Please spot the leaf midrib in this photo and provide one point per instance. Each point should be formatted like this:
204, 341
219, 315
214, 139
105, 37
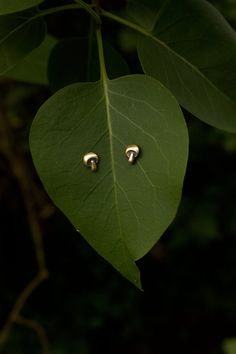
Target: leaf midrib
194, 68
107, 105
17, 28
10, 10
151, 35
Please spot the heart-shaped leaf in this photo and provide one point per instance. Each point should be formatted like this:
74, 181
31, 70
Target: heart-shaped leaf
33, 68
193, 53
20, 34
122, 209
11, 6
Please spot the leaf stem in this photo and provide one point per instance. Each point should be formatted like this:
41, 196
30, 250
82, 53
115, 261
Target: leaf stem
52, 10
133, 26
80, 5
125, 22
89, 9
103, 72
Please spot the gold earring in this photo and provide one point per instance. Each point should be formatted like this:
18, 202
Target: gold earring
91, 160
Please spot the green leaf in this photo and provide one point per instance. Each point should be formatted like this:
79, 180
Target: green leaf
122, 209
155, 5
193, 53
67, 65
229, 346
11, 6
141, 14
20, 34
33, 68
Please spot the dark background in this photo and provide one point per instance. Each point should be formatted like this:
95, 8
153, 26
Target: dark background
189, 278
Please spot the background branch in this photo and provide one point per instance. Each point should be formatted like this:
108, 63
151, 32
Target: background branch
20, 170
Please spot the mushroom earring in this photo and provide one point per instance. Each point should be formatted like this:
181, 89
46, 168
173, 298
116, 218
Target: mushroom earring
132, 152
91, 160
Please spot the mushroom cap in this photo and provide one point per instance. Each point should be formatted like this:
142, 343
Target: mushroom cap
133, 148
89, 157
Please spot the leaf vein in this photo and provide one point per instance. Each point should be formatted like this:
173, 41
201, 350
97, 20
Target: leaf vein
129, 203
142, 130
97, 184
139, 101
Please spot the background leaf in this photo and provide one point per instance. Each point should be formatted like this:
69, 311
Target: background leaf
11, 6
229, 346
122, 209
20, 34
197, 64
140, 13
33, 68
76, 60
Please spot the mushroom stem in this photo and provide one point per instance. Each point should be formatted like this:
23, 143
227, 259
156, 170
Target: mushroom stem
93, 165
131, 157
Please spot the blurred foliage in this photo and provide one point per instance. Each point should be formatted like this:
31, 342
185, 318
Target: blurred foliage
189, 299
229, 346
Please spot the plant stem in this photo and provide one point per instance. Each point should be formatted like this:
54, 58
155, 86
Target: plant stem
19, 169
89, 9
80, 5
125, 22
53, 10
135, 27
103, 72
